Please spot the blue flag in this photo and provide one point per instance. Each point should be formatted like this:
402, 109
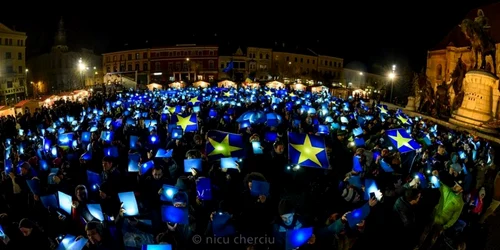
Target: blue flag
222, 144
383, 109
229, 67
188, 123
307, 150
402, 140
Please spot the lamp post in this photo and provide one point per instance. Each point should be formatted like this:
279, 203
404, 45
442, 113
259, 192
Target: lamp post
189, 69
392, 76
26, 71
81, 67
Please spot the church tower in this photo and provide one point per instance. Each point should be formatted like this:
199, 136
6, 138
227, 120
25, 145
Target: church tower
60, 38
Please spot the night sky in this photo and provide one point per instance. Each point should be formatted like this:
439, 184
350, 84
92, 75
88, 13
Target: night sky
376, 34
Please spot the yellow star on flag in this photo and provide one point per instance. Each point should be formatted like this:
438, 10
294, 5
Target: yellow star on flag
383, 110
223, 147
184, 121
171, 109
292, 94
269, 92
307, 151
228, 94
402, 119
194, 100
401, 141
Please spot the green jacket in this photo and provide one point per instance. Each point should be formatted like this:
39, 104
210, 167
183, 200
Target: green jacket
449, 208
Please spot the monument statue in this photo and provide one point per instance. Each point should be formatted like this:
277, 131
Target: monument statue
443, 99
426, 94
481, 42
479, 96
457, 81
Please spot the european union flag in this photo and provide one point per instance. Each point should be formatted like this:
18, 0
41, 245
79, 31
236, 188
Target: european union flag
307, 150
402, 140
195, 101
382, 108
404, 119
222, 144
188, 123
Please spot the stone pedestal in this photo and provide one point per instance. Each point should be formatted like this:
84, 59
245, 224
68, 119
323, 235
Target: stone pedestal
411, 103
480, 100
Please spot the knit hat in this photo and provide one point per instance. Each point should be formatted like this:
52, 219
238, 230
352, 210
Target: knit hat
286, 207
180, 197
26, 223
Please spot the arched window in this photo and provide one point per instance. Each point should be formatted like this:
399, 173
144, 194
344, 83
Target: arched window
489, 68
439, 72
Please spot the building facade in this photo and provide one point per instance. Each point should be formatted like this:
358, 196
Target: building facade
260, 63
13, 72
363, 80
184, 62
331, 68
234, 67
129, 63
443, 59
62, 69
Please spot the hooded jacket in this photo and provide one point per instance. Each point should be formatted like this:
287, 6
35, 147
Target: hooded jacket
449, 208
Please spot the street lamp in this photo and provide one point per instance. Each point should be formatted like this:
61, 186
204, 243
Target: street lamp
189, 69
82, 67
25, 85
392, 76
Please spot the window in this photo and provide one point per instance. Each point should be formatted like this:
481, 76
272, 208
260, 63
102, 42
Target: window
267, 56
129, 67
20, 69
114, 58
8, 55
19, 56
287, 58
136, 56
9, 84
108, 69
200, 77
145, 67
145, 55
129, 56
210, 78
211, 52
9, 69
137, 67
157, 66
439, 72
260, 56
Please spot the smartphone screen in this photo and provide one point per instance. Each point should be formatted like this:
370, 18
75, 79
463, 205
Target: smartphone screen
372, 195
257, 148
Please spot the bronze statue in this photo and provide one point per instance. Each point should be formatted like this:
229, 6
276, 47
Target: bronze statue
443, 99
427, 100
481, 42
457, 80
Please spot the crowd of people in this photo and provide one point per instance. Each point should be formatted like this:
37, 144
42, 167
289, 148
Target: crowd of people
371, 193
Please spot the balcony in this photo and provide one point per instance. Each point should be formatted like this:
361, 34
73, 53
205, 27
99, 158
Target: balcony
11, 91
